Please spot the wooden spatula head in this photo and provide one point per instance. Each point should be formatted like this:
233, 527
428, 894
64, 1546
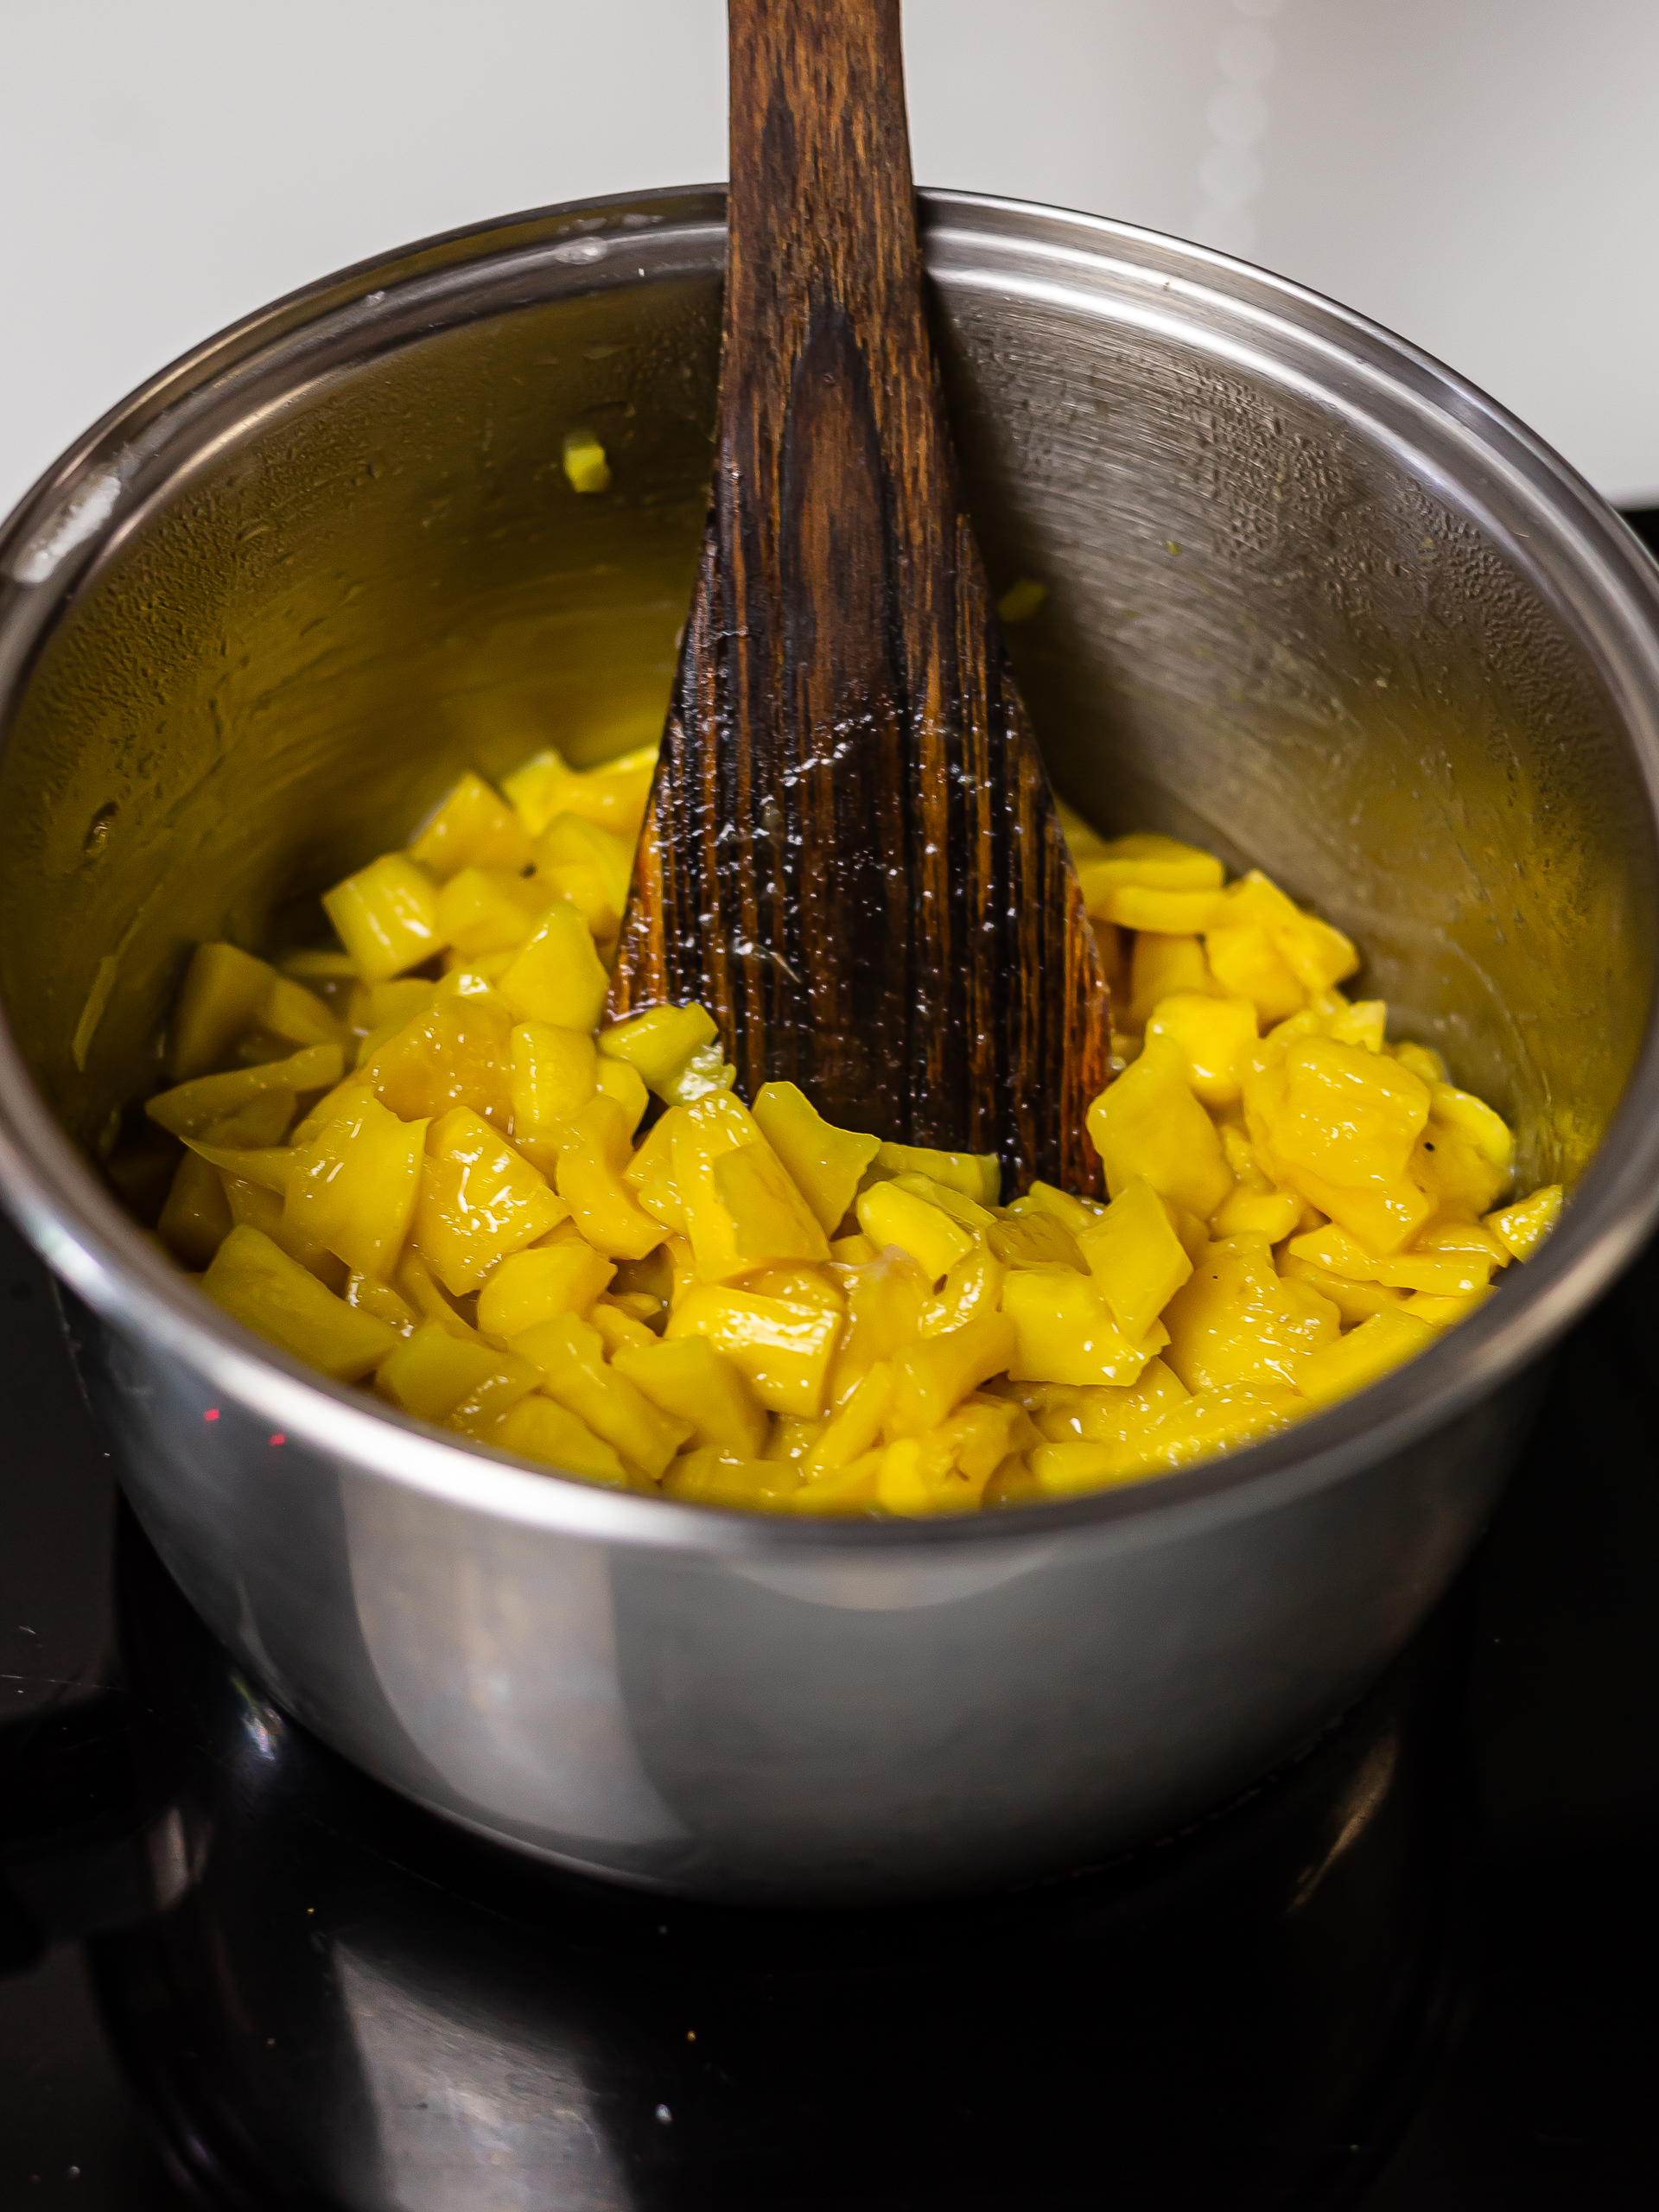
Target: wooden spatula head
851, 856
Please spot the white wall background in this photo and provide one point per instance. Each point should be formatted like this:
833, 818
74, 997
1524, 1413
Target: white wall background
1479, 174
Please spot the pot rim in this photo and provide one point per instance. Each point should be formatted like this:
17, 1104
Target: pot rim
1602, 578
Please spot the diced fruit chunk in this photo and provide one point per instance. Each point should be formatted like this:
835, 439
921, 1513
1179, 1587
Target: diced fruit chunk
1524, 1225
571, 1357
471, 828
387, 916
480, 1200
782, 1348
1064, 1330
1364, 1356
540, 1284
558, 977
1149, 1124
353, 1186
258, 1284
696, 1384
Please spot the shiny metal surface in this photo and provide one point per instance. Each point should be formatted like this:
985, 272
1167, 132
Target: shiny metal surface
1311, 598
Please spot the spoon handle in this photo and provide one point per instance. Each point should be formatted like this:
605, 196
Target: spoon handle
851, 856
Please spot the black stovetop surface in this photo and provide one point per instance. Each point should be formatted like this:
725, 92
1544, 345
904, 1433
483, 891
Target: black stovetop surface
1414, 1970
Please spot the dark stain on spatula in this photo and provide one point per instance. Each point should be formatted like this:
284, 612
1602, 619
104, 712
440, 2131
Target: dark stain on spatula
851, 856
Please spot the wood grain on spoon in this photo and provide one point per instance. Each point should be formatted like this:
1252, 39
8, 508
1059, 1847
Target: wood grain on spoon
851, 857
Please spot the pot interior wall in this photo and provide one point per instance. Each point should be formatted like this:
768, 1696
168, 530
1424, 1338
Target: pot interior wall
1259, 631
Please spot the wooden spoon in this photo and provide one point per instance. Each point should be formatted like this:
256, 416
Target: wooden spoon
851, 856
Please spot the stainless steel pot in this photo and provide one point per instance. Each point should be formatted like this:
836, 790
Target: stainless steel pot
1310, 599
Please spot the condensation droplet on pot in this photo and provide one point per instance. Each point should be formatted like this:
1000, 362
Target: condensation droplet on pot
97, 829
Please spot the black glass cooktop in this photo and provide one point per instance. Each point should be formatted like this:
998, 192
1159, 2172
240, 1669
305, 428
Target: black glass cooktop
1412, 1972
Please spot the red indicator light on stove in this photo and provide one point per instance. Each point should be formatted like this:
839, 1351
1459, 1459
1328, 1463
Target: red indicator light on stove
211, 1414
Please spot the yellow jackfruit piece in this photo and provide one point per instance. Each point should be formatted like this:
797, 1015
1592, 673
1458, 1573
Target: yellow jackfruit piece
270, 1166
1273, 1214
195, 1219
705, 1477
1364, 1356
416, 1283
434, 1373
590, 1172
825, 1162
783, 1349
1237, 1322
613, 795
889, 1214
1363, 1023
258, 1285
589, 866
1065, 1331
1215, 1036
659, 1042
471, 828
742, 1209
557, 976
931, 1378
617, 1080
539, 1428
1461, 1265
1316, 954
1160, 967
977, 1175
1135, 1258
856, 1427
1148, 861
1442, 1311
486, 910
1475, 1120
972, 1287
690, 1380
254, 1207
1031, 1236
586, 467
886, 1300
1149, 882
541, 1283
1524, 1225
370, 1295
650, 1173
191, 1108
1354, 1301
454, 1054
380, 1010
1245, 961
619, 1328
478, 1200
353, 1186
554, 1074
387, 916
1347, 1116
1101, 1414
571, 1357
220, 1000
1220, 1419
1423, 1060
1073, 1214
1148, 1123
